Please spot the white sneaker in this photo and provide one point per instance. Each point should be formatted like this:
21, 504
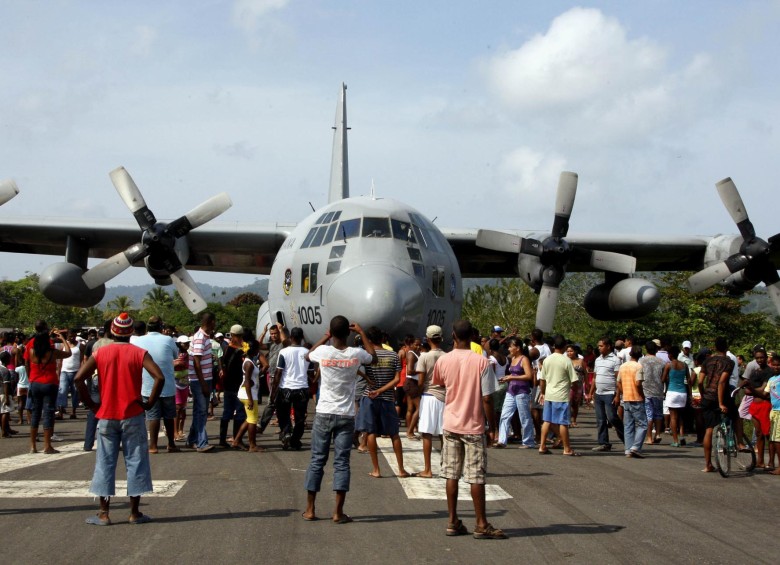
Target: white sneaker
55, 437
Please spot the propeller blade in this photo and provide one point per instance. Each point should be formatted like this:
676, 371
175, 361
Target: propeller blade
201, 214
8, 190
731, 199
774, 293
188, 291
613, 262
499, 241
545, 309
713, 274
132, 197
531, 247
111, 267
564, 202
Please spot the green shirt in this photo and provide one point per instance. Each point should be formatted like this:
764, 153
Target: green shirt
558, 372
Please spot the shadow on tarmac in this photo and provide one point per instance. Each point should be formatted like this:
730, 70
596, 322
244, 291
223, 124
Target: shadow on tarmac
554, 529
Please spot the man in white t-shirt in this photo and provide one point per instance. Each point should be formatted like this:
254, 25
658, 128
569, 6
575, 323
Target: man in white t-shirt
291, 390
335, 417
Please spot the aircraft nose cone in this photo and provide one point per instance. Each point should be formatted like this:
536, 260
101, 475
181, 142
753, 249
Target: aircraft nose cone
377, 295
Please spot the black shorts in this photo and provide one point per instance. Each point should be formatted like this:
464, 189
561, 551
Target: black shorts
400, 396
710, 409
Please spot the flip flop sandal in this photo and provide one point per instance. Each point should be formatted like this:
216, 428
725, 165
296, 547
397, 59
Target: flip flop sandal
142, 519
345, 519
489, 533
312, 519
458, 529
96, 520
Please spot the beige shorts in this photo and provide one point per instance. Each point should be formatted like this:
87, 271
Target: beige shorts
464, 456
774, 425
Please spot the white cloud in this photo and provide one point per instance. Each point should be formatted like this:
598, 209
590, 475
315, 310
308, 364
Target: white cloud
586, 76
525, 171
247, 14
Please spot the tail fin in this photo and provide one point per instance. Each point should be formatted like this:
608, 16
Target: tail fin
339, 167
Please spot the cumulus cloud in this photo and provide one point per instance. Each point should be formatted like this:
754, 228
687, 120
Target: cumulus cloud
247, 14
525, 171
589, 75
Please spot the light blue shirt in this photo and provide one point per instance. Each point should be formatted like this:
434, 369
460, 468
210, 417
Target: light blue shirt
162, 349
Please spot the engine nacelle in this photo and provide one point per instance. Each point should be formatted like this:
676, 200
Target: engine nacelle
625, 300
62, 284
161, 272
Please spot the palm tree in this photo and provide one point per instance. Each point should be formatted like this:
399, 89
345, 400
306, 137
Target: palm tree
157, 300
120, 304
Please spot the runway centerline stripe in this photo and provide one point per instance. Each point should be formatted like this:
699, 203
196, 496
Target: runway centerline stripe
30, 459
77, 489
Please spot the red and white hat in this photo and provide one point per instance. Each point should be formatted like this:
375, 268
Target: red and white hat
122, 325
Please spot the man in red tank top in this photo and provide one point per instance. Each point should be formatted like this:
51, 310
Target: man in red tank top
121, 418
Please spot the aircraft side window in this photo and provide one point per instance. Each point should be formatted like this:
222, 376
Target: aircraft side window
437, 280
376, 227
330, 234
337, 251
333, 267
419, 270
441, 281
432, 242
403, 231
313, 277
305, 278
414, 254
309, 237
317, 241
348, 229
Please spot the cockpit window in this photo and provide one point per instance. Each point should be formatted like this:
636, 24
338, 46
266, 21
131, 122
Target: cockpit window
336, 215
309, 237
403, 231
348, 229
317, 241
376, 227
329, 235
328, 217
321, 219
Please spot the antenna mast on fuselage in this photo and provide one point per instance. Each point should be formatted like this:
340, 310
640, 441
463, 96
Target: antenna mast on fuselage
339, 167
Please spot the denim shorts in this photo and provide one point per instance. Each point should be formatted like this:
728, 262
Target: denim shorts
654, 407
377, 416
556, 412
164, 408
131, 434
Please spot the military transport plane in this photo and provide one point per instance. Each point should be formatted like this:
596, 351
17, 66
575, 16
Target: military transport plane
379, 261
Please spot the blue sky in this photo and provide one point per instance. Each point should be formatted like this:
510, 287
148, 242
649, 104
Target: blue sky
468, 111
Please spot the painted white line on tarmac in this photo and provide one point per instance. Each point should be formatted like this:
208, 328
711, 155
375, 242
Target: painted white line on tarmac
76, 489
29, 459
429, 489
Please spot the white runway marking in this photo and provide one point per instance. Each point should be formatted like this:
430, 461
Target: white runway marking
76, 489
64, 489
429, 489
29, 459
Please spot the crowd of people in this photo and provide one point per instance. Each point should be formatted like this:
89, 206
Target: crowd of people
490, 391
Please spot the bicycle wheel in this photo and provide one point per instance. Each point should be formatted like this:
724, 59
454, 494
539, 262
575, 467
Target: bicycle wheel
720, 451
746, 459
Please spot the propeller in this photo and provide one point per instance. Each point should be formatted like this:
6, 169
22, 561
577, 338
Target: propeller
158, 240
8, 190
555, 253
754, 255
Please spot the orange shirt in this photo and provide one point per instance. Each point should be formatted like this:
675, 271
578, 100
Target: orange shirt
629, 375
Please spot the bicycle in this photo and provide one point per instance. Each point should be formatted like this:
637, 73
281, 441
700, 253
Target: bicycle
725, 448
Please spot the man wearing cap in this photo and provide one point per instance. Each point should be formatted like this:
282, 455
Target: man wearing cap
291, 389
431, 400
121, 414
686, 356
201, 365
163, 350
233, 377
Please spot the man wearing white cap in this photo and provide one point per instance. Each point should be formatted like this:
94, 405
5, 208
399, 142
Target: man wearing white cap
686, 356
432, 399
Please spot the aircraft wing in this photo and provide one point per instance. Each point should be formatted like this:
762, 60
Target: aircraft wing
235, 247
652, 252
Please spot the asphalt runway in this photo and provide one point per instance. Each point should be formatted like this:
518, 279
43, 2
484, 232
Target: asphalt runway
230, 506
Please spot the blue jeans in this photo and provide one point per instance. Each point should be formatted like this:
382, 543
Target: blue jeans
67, 385
340, 430
89, 432
200, 411
131, 433
43, 398
634, 425
606, 412
522, 403
232, 407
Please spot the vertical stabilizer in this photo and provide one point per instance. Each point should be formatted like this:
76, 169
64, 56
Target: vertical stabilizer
339, 167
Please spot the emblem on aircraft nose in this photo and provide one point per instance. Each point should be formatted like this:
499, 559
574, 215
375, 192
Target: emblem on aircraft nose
287, 281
